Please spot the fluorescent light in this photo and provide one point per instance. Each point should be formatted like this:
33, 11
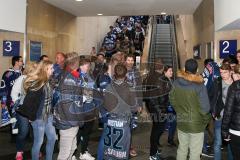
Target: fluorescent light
99, 14
163, 13
79, 0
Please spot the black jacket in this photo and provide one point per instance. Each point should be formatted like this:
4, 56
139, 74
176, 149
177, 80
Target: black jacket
231, 117
215, 97
31, 104
157, 88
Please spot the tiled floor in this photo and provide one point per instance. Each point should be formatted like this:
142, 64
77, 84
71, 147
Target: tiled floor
140, 142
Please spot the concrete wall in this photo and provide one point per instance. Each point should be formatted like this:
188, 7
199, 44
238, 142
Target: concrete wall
196, 29
225, 35
91, 31
55, 28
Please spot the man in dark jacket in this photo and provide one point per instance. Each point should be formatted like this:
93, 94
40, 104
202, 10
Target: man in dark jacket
156, 103
217, 96
231, 119
190, 101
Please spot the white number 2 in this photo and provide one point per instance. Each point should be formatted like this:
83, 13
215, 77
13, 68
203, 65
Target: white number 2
226, 47
9, 46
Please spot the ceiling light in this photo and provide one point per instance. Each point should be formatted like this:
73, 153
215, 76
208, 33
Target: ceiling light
99, 14
163, 13
79, 0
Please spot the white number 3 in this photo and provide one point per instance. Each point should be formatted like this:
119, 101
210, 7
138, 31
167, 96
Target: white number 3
8, 46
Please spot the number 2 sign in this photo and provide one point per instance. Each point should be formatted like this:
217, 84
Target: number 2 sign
11, 48
227, 47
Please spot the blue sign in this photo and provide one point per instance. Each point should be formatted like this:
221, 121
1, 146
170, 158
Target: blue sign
227, 47
11, 48
35, 50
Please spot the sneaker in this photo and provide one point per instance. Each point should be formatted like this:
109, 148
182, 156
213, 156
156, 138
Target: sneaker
19, 156
86, 156
133, 152
155, 157
207, 154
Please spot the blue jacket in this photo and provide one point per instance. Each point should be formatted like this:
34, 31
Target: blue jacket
9, 78
71, 108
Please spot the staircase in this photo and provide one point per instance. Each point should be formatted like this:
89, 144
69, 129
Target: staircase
163, 44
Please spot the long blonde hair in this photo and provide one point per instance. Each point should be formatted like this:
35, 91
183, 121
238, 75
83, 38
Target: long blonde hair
36, 79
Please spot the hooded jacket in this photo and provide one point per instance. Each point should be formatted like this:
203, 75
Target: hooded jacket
190, 100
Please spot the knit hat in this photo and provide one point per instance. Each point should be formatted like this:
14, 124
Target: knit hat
191, 66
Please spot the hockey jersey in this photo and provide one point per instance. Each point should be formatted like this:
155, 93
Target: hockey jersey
9, 78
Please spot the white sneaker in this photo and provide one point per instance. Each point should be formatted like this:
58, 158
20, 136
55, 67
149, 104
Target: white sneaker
74, 158
86, 156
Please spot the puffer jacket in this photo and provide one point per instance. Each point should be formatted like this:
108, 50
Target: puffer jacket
190, 100
231, 117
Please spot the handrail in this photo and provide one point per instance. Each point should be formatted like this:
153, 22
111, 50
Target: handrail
174, 51
176, 43
153, 37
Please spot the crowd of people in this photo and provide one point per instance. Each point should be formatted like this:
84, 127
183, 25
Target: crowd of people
126, 35
62, 100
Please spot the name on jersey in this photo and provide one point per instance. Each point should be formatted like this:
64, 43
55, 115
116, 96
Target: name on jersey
115, 123
118, 154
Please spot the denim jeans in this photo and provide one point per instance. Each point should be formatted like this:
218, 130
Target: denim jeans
23, 129
217, 140
172, 128
100, 147
40, 128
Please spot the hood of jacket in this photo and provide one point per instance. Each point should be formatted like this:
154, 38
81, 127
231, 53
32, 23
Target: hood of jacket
195, 78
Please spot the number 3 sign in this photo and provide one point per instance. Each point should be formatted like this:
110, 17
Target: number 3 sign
227, 47
11, 48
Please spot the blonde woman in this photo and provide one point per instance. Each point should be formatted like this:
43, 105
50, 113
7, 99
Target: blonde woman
18, 95
37, 107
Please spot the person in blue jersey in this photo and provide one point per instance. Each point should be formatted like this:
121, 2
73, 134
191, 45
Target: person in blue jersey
67, 116
58, 69
103, 80
11, 75
8, 79
135, 82
88, 85
120, 102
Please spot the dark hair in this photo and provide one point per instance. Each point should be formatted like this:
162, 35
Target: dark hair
226, 67
120, 71
166, 68
104, 68
238, 51
206, 61
84, 61
230, 60
42, 57
130, 56
15, 59
191, 66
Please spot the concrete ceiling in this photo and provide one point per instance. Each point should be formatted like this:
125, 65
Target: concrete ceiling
126, 7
